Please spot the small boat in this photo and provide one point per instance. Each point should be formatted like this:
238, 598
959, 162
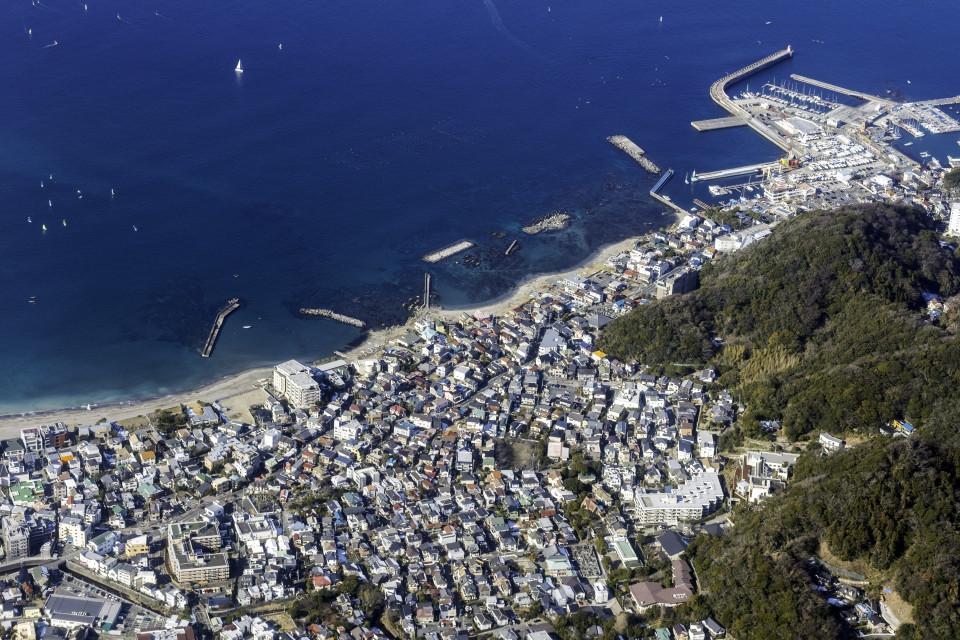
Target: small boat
28, 219
134, 227
686, 179
111, 193
661, 18
49, 203
247, 326
41, 184
44, 227
907, 144
64, 222
239, 68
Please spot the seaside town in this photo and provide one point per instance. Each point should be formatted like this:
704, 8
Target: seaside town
488, 474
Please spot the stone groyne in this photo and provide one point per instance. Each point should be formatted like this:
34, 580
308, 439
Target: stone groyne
333, 315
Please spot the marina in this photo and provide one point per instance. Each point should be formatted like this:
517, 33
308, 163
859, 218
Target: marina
232, 305
446, 252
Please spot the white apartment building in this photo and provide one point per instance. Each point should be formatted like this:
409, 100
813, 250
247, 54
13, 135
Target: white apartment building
292, 379
695, 498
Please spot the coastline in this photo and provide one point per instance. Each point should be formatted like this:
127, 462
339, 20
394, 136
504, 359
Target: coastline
11, 424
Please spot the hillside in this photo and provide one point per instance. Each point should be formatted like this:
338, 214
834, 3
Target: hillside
821, 323
822, 326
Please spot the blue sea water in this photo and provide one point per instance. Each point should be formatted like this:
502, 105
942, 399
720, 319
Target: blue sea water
378, 132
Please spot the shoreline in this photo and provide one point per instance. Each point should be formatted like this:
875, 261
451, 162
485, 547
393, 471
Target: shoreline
10, 424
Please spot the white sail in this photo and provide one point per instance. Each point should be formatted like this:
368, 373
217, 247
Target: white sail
239, 68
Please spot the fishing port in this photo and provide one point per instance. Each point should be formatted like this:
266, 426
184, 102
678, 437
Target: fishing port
333, 315
627, 145
231, 306
449, 250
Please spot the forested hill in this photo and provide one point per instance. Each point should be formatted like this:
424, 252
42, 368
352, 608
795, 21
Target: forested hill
823, 326
821, 323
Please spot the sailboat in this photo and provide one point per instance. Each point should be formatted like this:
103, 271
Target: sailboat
44, 227
686, 178
239, 68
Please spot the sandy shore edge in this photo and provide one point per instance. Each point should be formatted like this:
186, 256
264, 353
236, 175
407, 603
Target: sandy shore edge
11, 424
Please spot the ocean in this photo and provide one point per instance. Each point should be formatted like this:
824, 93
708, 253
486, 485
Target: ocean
359, 137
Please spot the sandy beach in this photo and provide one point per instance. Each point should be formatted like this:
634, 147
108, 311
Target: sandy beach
10, 425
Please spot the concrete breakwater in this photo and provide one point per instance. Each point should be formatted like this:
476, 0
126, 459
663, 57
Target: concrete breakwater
231, 306
627, 145
553, 221
333, 315
446, 252
511, 248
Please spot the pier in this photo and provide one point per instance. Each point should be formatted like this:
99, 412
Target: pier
737, 171
718, 123
446, 252
511, 248
847, 92
232, 306
655, 192
333, 315
627, 145
718, 91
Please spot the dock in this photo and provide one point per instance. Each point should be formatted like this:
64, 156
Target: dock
333, 315
847, 92
511, 248
737, 171
446, 252
231, 306
718, 91
700, 203
627, 145
718, 123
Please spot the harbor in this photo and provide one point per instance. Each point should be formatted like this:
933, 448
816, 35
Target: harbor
448, 251
333, 315
232, 305
627, 145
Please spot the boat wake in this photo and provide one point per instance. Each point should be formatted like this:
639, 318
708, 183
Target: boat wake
502, 28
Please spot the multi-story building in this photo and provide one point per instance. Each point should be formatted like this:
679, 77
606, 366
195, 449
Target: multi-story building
695, 498
292, 379
16, 539
55, 436
31, 439
192, 550
74, 531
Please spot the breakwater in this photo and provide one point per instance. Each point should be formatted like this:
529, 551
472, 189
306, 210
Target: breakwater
333, 315
553, 221
449, 250
511, 248
627, 145
232, 306
718, 91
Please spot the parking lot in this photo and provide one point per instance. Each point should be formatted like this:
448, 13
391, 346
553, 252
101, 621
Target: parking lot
132, 619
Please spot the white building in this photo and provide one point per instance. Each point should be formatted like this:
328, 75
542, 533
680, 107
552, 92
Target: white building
74, 531
953, 229
700, 495
831, 443
344, 430
292, 379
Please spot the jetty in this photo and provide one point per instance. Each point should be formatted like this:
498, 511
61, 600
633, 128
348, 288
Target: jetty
230, 307
887, 102
511, 248
553, 221
655, 192
333, 315
736, 171
718, 91
446, 252
627, 145
718, 123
